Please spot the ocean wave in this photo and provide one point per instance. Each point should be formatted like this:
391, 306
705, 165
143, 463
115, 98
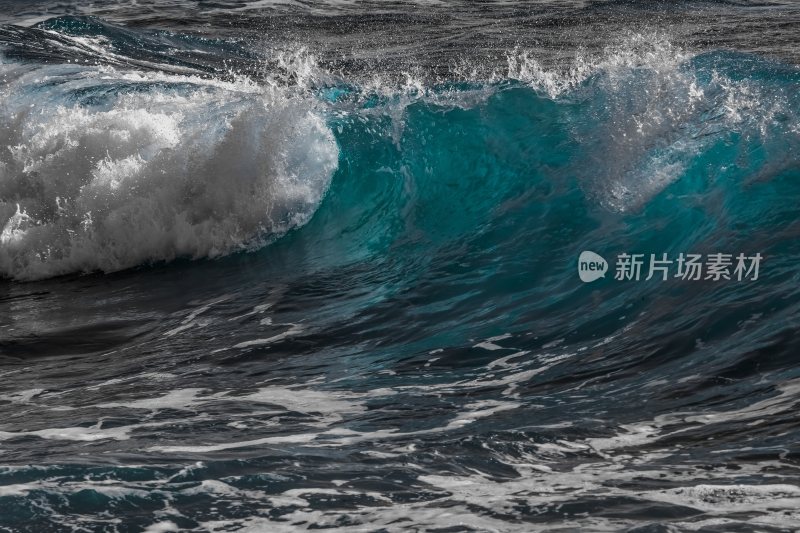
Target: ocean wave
105, 169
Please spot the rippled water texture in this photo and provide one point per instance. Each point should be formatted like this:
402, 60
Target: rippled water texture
275, 266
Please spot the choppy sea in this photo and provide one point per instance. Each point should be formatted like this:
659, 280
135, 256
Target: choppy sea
289, 265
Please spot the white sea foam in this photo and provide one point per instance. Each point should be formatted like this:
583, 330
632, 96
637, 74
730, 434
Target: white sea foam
647, 51
649, 111
102, 169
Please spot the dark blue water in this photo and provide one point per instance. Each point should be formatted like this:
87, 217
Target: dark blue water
287, 266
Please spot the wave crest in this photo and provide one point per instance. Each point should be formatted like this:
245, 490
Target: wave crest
106, 170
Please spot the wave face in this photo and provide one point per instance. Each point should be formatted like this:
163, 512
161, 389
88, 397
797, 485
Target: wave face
392, 334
